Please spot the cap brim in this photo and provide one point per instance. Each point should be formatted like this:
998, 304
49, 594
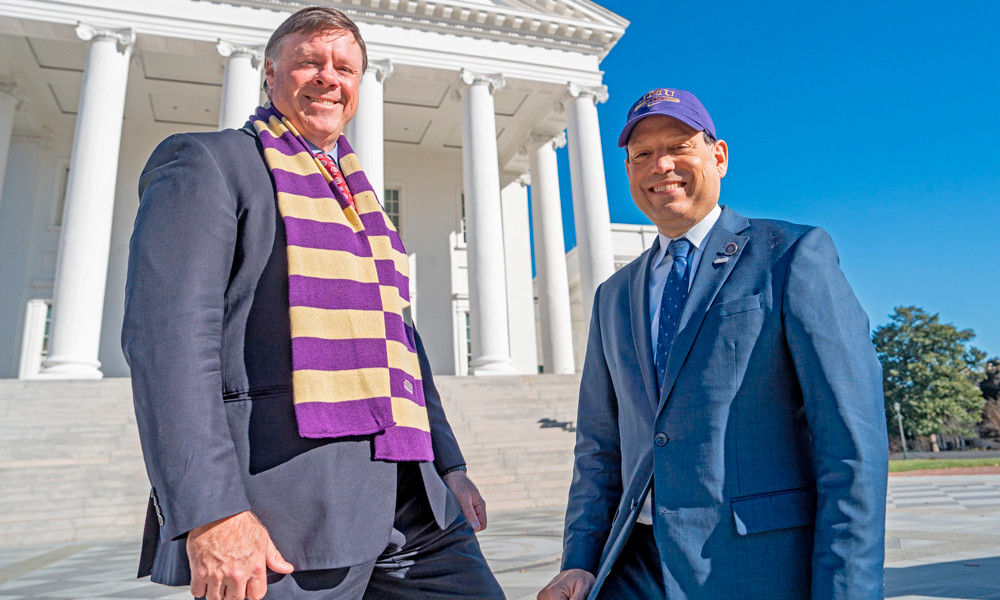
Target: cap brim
627, 131
629, 126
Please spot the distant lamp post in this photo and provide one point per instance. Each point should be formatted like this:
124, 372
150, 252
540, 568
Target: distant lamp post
902, 436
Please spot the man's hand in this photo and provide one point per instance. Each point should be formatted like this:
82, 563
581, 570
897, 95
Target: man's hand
571, 584
230, 557
469, 498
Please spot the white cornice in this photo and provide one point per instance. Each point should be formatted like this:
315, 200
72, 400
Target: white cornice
582, 26
390, 29
44, 140
167, 21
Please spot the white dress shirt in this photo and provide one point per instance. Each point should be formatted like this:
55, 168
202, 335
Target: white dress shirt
658, 271
332, 153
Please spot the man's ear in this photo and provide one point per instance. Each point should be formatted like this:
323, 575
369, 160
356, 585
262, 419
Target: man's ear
269, 73
721, 153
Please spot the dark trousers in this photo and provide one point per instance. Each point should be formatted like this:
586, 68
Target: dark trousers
637, 574
421, 561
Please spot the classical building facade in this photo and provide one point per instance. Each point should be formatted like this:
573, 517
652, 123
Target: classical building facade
462, 106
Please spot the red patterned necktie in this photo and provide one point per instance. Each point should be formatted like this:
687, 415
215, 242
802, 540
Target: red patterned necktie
338, 177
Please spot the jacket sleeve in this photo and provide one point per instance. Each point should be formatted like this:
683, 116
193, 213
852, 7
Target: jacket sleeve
596, 488
841, 380
446, 451
180, 258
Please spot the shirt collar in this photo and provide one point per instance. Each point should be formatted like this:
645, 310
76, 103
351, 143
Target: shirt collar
315, 149
696, 235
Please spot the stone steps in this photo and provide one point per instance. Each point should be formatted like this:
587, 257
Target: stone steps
515, 459
71, 466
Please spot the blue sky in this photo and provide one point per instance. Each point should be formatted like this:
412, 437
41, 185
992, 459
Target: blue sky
879, 121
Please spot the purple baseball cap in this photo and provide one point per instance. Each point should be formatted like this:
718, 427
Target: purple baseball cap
679, 104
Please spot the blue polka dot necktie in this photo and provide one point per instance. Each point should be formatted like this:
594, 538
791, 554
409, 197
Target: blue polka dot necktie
672, 302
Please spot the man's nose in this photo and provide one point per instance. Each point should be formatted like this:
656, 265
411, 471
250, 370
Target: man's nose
664, 163
327, 75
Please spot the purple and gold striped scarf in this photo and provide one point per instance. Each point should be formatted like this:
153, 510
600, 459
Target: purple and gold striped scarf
355, 369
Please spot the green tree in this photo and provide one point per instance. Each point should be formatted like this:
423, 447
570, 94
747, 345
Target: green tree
931, 369
990, 386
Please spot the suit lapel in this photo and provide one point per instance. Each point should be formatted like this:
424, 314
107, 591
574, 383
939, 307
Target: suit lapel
639, 314
707, 282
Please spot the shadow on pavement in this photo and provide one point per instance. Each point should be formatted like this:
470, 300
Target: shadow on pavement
971, 579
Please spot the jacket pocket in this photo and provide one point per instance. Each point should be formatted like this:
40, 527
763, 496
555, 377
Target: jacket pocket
733, 307
774, 510
257, 393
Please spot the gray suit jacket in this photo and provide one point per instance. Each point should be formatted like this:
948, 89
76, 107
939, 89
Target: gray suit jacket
207, 337
765, 446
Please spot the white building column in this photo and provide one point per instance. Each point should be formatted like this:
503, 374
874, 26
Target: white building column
550, 255
521, 324
590, 192
484, 226
84, 244
241, 84
9, 101
366, 131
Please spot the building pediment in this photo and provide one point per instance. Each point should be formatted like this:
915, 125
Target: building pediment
578, 25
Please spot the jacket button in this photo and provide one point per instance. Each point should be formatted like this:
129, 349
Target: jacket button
661, 439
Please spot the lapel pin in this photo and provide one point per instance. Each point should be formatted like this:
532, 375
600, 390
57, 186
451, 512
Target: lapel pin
720, 260
730, 249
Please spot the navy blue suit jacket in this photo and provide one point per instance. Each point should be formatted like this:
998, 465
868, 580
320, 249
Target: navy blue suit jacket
765, 447
207, 337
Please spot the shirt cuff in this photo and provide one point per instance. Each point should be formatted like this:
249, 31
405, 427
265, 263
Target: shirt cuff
452, 470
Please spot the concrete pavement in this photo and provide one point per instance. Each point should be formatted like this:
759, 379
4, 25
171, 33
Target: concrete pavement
942, 541
943, 537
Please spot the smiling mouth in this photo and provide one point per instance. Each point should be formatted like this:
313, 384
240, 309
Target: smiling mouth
322, 101
668, 187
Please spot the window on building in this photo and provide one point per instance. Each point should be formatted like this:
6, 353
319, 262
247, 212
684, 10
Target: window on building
461, 224
390, 202
60, 199
468, 339
35, 338
48, 324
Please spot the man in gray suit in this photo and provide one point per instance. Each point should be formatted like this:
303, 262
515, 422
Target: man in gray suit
242, 504
731, 437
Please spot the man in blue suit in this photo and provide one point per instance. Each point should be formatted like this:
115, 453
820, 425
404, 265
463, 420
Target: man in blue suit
731, 437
